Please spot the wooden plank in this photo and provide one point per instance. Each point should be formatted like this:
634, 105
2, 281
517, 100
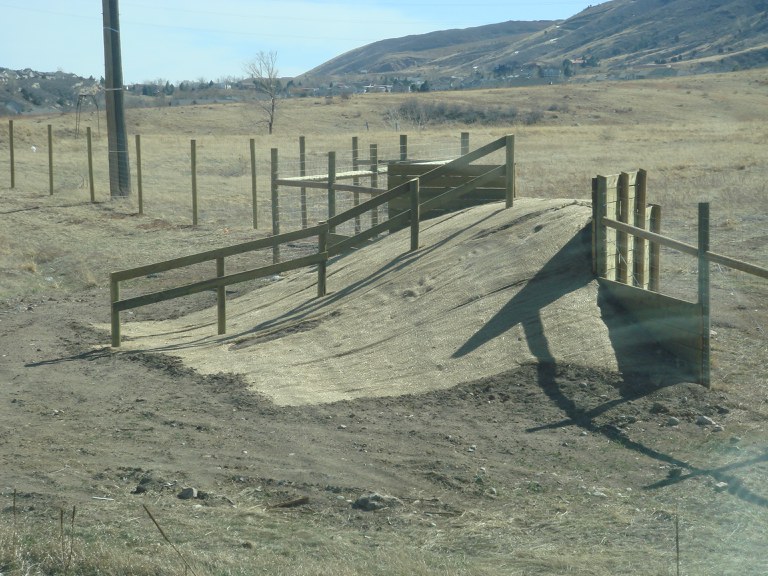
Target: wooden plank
611, 210
622, 239
345, 245
704, 296
674, 324
215, 283
654, 251
439, 201
374, 202
658, 238
357, 189
213, 254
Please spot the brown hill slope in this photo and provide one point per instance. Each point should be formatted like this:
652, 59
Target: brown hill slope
700, 34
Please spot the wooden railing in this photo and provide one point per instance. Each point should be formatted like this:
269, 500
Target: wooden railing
329, 245
623, 267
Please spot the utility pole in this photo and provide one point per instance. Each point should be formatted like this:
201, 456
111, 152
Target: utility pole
119, 166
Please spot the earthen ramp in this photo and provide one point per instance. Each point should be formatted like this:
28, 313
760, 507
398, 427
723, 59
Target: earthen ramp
488, 290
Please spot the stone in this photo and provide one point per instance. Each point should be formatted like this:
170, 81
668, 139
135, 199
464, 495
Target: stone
721, 486
372, 502
704, 421
187, 494
673, 421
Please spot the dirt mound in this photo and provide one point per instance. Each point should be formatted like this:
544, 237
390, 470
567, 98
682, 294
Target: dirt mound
490, 289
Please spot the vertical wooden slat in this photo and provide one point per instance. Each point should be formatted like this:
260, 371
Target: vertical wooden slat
322, 248
415, 215
221, 298
91, 185
275, 197
139, 181
50, 159
114, 296
302, 173
356, 180
403, 147
622, 239
254, 191
193, 152
704, 293
600, 186
510, 172
374, 150
611, 211
331, 182
464, 143
641, 221
654, 266
12, 154
595, 220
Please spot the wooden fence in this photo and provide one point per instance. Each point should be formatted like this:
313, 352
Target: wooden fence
625, 249
328, 244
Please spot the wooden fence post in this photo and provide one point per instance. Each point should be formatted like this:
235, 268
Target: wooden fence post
331, 182
114, 296
322, 267
704, 297
253, 184
50, 158
90, 164
464, 143
274, 189
600, 186
13, 157
403, 147
194, 182
654, 252
622, 238
374, 180
139, 181
641, 221
510, 172
221, 298
356, 180
415, 213
303, 173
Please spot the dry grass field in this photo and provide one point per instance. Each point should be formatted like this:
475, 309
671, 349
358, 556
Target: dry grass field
564, 469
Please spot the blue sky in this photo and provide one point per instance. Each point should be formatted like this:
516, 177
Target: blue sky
178, 40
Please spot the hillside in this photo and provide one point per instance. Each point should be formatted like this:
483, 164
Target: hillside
694, 35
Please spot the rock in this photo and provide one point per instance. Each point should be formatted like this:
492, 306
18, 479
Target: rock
721, 486
187, 494
472, 448
371, 502
659, 408
704, 421
718, 428
673, 421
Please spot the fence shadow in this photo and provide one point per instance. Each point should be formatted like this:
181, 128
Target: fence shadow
639, 360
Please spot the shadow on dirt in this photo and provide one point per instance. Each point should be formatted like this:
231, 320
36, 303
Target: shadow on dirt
643, 367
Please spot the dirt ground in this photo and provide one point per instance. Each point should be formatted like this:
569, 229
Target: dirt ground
550, 461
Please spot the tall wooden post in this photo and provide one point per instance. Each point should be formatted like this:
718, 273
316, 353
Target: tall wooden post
403, 147
356, 180
464, 143
193, 151
275, 197
13, 158
50, 159
510, 169
253, 184
415, 213
654, 251
374, 180
119, 169
331, 182
221, 298
139, 183
302, 173
640, 248
622, 238
322, 267
91, 185
704, 299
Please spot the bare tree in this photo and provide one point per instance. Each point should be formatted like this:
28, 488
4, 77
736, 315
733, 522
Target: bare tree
263, 71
